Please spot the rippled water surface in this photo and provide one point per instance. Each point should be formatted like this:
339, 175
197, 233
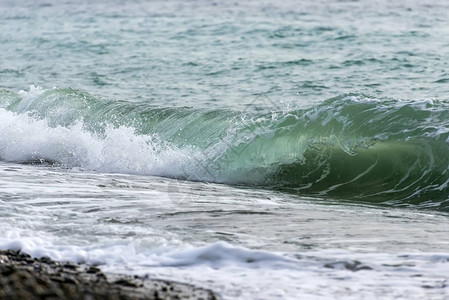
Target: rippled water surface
207, 53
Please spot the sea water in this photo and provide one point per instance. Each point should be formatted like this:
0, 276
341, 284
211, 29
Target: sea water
263, 150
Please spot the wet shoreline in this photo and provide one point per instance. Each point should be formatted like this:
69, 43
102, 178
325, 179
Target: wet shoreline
24, 277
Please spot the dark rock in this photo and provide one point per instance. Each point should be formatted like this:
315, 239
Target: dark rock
24, 256
11, 253
92, 270
22, 277
70, 266
125, 283
7, 270
45, 259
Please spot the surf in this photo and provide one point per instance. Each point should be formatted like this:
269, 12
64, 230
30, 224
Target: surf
353, 146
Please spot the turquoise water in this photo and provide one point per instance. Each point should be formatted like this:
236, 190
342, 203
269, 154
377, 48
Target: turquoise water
209, 54
258, 144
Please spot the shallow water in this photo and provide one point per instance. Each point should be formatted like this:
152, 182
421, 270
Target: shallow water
240, 242
265, 151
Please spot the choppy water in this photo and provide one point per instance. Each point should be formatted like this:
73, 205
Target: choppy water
263, 150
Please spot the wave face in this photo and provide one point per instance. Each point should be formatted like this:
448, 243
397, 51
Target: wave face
356, 147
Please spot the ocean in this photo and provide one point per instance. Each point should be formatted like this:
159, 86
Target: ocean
264, 150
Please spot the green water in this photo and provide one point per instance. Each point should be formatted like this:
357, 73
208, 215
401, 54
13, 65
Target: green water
374, 150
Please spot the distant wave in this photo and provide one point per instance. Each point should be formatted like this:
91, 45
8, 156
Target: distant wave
354, 146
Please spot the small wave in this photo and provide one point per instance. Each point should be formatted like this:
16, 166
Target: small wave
215, 255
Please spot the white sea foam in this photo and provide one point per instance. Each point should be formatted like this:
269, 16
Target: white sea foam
216, 255
24, 139
241, 273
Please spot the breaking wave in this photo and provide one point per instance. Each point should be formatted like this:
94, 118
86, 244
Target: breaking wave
352, 146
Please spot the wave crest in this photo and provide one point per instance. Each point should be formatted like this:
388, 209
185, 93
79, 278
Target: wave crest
352, 146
